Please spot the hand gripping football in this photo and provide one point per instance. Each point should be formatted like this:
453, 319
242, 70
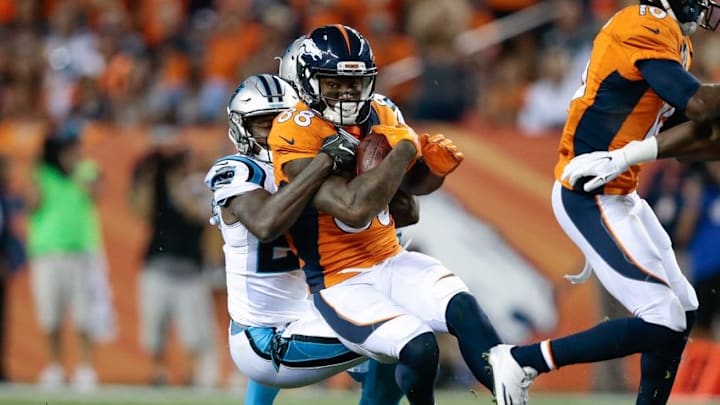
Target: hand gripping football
371, 151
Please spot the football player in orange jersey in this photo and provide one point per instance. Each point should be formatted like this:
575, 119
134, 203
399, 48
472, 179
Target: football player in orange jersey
383, 301
276, 338
636, 78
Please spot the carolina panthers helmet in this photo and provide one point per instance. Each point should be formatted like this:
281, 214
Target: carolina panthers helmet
257, 95
692, 13
336, 51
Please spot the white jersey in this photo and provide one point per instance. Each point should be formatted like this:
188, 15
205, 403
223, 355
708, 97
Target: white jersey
265, 286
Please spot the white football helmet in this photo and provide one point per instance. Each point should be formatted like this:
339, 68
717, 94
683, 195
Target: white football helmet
257, 95
288, 62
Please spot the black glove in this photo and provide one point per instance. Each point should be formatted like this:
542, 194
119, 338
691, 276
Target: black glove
341, 149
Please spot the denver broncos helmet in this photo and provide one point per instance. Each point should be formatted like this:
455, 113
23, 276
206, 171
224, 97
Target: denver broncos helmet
336, 51
257, 95
691, 13
288, 62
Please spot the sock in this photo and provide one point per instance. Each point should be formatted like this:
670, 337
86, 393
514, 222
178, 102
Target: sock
531, 356
379, 386
416, 369
658, 369
475, 335
608, 340
258, 394
658, 375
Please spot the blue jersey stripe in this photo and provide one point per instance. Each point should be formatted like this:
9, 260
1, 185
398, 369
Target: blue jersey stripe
305, 234
616, 98
297, 351
585, 213
348, 330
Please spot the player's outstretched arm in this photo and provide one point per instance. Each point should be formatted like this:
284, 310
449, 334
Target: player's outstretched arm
704, 105
268, 215
356, 201
441, 157
690, 141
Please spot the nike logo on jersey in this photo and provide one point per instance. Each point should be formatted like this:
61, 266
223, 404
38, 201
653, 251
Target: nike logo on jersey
290, 141
655, 31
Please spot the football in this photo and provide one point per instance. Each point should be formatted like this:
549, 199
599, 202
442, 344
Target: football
371, 151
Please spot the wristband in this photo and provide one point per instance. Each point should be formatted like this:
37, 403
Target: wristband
641, 151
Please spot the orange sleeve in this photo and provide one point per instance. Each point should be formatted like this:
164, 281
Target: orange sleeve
296, 134
649, 36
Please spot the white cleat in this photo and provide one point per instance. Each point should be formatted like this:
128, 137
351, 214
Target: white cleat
52, 377
511, 380
85, 378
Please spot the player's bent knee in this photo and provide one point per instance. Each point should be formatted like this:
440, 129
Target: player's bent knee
667, 312
421, 351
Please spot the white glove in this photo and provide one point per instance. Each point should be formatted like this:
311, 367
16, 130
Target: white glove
602, 167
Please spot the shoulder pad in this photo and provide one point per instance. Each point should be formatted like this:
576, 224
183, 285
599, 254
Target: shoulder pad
382, 101
233, 175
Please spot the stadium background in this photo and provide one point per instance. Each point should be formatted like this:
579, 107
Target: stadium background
161, 70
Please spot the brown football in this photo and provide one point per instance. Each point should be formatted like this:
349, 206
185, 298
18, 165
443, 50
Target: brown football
371, 151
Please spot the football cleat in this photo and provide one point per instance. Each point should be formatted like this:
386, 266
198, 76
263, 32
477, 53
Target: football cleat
510, 379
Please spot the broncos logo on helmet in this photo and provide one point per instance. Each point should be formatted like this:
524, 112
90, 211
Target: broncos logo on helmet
336, 51
258, 95
288, 62
691, 14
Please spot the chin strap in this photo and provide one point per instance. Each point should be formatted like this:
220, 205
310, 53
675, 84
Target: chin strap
263, 155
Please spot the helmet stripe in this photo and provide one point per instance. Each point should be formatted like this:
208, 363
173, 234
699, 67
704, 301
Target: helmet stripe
278, 86
272, 94
343, 31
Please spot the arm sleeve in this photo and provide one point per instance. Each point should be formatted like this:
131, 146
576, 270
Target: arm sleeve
670, 81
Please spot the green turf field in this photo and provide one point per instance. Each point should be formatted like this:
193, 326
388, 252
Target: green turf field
132, 395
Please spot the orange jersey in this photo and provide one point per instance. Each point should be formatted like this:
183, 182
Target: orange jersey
615, 105
324, 244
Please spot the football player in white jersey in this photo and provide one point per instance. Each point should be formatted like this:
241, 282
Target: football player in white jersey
276, 337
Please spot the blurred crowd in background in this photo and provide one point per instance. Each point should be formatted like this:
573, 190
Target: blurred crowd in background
177, 61
168, 63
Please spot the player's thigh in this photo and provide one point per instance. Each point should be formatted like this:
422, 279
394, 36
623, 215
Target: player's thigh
292, 361
422, 285
155, 290
617, 245
366, 319
675, 277
51, 285
193, 313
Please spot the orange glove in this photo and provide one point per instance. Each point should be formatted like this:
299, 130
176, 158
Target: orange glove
396, 133
441, 154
